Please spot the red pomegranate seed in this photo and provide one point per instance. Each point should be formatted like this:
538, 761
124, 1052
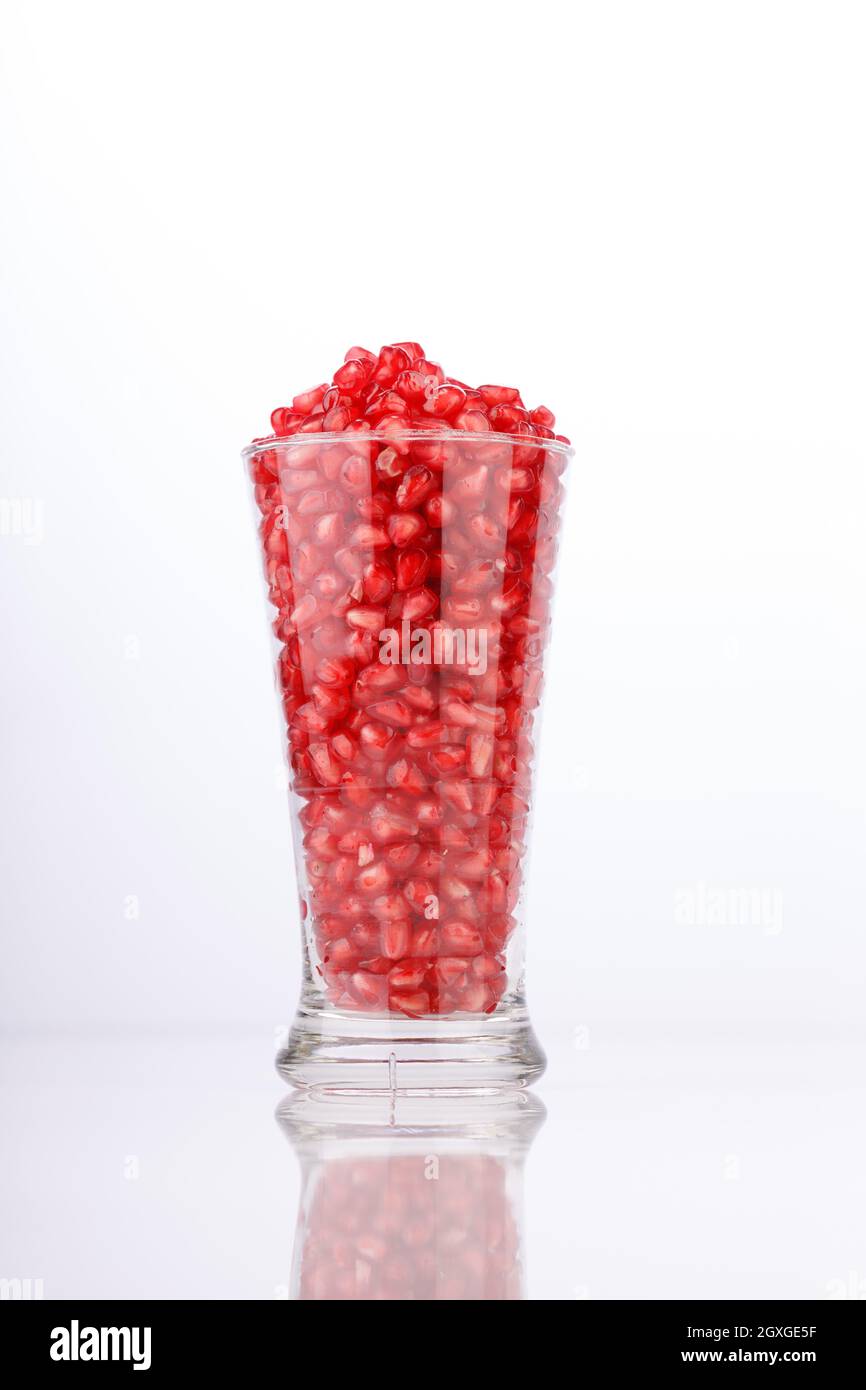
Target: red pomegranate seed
342, 954
415, 1005
386, 826
392, 361
401, 857
428, 734
394, 712
418, 482
418, 604
479, 755
439, 511
331, 701
461, 938
308, 400
418, 893
363, 355
366, 619
285, 421
378, 582
369, 537
446, 400
412, 567
353, 375
325, 766
335, 670
389, 907
447, 759
408, 975
498, 395
376, 739
406, 776
373, 878
451, 970
396, 936
506, 419
370, 990
412, 386
388, 464
474, 420
405, 528
425, 942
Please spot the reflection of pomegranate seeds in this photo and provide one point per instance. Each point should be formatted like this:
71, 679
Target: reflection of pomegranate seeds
398, 500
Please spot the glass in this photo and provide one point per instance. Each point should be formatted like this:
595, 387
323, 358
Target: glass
412, 575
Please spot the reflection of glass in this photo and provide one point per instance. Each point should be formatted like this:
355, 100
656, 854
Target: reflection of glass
410, 1197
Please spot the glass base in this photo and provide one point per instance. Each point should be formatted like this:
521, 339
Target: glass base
460, 1054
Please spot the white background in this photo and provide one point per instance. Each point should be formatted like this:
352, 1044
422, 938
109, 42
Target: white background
651, 217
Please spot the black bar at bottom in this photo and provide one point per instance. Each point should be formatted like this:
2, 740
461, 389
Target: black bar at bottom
66, 1336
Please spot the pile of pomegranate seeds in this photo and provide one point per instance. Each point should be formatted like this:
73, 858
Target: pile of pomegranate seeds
378, 1228
409, 529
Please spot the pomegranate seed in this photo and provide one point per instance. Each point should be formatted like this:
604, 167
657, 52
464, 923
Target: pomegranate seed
414, 1004
392, 361
406, 528
426, 735
378, 582
352, 375
389, 907
461, 939
448, 759
402, 857
425, 942
406, 776
363, 355
471, 485
326, 768
412, 386
386, 826
395, 940
308, 400
369, 537
335, 670
479, 755
412, 567
370, 990
474, 420
451, 970
342, 954
376, 739
498, 395
447, 400
408, 975
439, 511
388, 464
395, 712
419, 603
373, 878
418, 482
366, 619
285, 421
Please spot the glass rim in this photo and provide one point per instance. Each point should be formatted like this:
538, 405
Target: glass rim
263, 446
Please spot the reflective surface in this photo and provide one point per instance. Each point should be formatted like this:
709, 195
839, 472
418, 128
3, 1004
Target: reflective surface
674, 1161
409, 1197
